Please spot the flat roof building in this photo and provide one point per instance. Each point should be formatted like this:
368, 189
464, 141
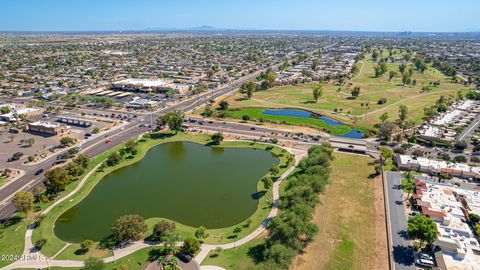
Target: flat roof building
46, 128
146, 86
449, 207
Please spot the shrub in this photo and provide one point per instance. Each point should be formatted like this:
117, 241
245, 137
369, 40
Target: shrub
40, 243
474, 218
382, 101
460, 159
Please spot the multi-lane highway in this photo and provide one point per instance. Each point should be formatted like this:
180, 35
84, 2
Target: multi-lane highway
97, 145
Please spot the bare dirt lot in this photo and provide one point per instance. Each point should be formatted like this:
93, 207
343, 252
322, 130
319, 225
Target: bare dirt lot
350, 220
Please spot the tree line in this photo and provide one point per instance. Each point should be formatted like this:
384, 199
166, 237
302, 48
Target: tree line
292, 230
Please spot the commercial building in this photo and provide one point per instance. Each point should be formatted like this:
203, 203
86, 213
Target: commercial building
46, 128
147, 86
74, 121
17, 113
449, 207
141, 103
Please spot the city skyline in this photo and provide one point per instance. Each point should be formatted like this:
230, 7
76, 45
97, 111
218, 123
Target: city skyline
372, 15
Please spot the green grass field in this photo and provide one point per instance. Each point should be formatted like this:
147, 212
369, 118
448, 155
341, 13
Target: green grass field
350, 110
216, 236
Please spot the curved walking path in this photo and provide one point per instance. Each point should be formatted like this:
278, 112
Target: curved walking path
31, 258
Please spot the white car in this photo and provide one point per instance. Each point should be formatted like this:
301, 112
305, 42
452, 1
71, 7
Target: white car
425, 260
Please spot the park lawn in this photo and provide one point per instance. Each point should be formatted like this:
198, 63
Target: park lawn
216, 236
12, 235
256, 114
137, 260
345, 218
234, 259
372, 89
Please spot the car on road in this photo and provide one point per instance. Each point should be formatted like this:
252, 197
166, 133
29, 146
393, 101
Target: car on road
107, 141
39, 171
58, 162
252, 128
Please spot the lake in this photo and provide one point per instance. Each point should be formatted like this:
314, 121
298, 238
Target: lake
190, 183
356, 134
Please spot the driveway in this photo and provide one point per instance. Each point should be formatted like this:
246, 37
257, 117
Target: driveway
402, 248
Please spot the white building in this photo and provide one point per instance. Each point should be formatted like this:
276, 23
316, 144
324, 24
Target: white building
449, 208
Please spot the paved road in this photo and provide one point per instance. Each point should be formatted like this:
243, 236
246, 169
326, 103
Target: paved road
96, 145
402, 249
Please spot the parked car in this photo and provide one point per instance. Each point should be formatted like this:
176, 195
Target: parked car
425, 260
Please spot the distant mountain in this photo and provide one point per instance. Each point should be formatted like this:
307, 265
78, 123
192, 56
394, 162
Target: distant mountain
196, 28
202, 28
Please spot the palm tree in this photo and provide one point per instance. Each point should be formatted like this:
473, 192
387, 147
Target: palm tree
410, 185
172, 262
162, 261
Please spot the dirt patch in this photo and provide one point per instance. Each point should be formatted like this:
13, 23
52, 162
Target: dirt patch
381, 258
346, 219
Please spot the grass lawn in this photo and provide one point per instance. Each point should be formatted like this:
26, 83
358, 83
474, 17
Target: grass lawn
345, 218
216, 236
351, 112
234, 259
12, 234
256, 114
136, 260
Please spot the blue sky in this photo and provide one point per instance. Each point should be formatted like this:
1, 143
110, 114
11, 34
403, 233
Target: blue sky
367, 15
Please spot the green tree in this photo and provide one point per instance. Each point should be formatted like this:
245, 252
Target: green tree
223, 105
280, 255
190, 245
267, 182
113, 159
402, 113
391, 75
383, 118
30, 141
23, 201
422, 228
128, 228
131, 146
56, 179
93, 263
274, 170
162, 229
248, 88
216, 138
86, 245
201, 232
317, 92
355, 91
66, 141
409, 185
174, 120
290, 159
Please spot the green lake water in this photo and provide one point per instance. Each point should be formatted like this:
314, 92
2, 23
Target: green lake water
186, 182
